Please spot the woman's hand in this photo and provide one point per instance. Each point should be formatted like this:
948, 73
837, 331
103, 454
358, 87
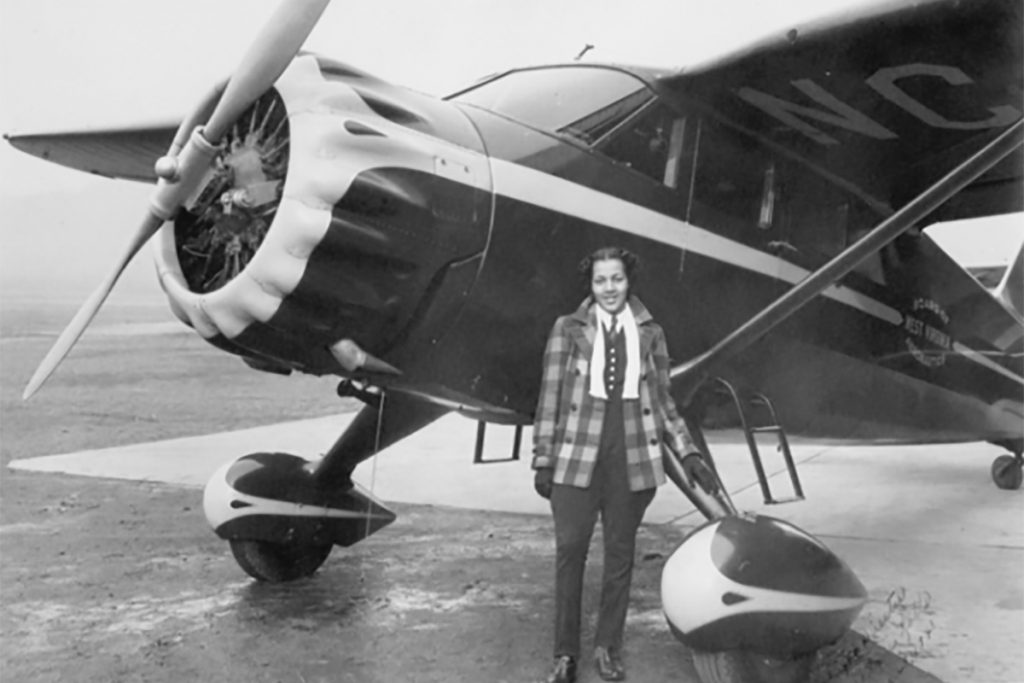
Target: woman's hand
698, 472
542, 481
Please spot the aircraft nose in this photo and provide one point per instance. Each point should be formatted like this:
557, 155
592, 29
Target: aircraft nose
335, 208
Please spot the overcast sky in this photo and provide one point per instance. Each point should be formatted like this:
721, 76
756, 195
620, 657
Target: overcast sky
73, 65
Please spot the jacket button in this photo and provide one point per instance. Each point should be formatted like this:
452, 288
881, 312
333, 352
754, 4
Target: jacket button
568, 439
647, 411
572, 407
654, 442
577, 371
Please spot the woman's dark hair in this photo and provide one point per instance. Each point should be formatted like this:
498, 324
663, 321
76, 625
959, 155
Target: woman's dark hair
630, 261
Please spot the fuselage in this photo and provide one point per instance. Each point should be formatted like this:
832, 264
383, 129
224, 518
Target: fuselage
454, 232
908, 348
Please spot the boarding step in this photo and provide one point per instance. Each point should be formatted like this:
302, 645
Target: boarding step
783, 501
747, 406
478, 452
766, 429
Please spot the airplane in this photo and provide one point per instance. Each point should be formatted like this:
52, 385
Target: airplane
310, 217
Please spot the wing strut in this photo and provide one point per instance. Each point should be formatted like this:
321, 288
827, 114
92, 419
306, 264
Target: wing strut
692, 374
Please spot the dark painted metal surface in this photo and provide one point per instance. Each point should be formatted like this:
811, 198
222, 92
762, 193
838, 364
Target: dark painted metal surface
697, 371
457, 285
889, 99
831, 370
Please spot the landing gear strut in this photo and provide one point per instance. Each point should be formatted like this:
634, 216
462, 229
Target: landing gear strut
1008, 471
282, 514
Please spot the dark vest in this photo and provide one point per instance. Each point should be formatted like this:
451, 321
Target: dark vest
613, 428
614, 362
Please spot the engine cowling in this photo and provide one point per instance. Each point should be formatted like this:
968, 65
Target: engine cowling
331, 212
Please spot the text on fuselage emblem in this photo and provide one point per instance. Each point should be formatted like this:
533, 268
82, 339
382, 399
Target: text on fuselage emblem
926, 339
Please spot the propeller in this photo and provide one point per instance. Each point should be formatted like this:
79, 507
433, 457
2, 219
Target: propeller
181, 173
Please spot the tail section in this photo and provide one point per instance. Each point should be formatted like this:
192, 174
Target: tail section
1010, 290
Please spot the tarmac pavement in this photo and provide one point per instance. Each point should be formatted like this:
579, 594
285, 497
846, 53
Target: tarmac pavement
940, 549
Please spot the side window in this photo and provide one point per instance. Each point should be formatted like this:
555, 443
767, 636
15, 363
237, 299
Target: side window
816, 216
650, 143
597, 124
821, 219
735, 184
747, 191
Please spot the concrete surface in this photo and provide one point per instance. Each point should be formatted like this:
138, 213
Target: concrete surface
940, 549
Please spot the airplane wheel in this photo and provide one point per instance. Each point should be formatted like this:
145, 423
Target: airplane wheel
278, 562
738, 666
1007, 472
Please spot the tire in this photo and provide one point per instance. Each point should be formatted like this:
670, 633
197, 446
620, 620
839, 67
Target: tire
278, 562
738, 666
1007, 473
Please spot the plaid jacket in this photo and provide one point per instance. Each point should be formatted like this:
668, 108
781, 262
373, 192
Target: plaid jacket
567, 425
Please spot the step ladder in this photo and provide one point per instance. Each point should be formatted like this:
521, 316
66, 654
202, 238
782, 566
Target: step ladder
478, 453
748, 405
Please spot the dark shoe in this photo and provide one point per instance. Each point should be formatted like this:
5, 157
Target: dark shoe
609, 666
564, 670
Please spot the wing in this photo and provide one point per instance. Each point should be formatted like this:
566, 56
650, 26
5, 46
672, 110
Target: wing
125, 153
887, 100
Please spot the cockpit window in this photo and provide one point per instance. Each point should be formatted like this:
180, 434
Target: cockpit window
583, 102
649, 143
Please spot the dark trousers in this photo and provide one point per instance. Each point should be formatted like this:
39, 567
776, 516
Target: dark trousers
575, 512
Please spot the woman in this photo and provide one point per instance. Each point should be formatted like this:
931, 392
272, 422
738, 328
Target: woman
604, 407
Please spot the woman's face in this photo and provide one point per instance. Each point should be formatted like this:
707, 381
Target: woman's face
609, 284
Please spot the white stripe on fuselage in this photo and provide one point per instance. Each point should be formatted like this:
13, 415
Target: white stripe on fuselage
528, 185
531, 186
534, 187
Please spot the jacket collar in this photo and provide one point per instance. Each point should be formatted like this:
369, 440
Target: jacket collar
583, 332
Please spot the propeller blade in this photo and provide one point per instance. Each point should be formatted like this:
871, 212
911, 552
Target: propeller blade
264, 62
89, 309
267, 58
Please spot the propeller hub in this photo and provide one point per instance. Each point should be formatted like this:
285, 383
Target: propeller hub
219, 233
